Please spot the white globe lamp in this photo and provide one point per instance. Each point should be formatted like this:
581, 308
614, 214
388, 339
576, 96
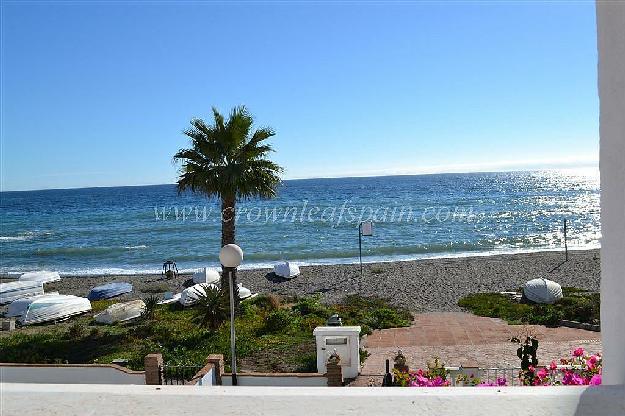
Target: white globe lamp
231, 255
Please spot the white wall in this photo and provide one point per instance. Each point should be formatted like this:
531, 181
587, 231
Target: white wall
208, 379
68, 374
276, 381
611, 44
18, 399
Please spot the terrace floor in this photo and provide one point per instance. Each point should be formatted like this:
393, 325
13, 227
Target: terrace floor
464, 339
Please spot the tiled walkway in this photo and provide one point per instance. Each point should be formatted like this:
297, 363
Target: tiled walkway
457, 328
464, 339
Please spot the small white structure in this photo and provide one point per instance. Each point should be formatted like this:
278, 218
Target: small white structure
345, 340
286, 270
15, 290
120, 312
207, 276
542, 291
42, 276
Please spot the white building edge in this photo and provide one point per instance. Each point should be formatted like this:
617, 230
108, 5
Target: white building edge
607, 399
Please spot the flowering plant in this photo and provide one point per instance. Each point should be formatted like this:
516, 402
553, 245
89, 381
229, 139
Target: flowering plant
419, 378
581, 369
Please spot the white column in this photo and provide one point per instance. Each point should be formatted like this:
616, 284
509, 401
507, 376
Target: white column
611, 43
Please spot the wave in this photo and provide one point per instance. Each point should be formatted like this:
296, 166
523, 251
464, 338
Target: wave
13, 238
26, 236
86, 251
268, 264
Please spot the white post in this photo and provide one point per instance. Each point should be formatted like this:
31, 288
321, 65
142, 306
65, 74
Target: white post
232, 333
611, 45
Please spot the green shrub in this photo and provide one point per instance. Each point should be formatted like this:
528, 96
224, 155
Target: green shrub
267, 302
311, 305
75, 331
372, 313
277, 321
309, 323
576, 305
307, 363
155, 288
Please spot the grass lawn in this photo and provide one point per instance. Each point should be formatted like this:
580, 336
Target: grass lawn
272, 335
576, 305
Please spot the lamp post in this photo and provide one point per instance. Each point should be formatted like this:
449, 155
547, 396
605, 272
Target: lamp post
231, 257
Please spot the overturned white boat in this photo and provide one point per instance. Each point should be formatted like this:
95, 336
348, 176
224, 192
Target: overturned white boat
286, 270
42, 276
120, 312
244, 292
542, 291
169, 297
192, 294
18, 307
207, 276
15, 290
47, 308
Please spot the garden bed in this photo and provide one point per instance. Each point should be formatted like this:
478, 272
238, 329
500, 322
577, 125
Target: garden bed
576, 305
272, 334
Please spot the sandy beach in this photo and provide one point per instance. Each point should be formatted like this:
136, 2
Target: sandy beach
433, 285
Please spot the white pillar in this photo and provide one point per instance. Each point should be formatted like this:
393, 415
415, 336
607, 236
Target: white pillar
611, 44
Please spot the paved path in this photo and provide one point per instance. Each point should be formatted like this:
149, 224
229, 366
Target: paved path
464, 339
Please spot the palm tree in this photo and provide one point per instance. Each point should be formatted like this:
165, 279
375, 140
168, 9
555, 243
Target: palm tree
228, 159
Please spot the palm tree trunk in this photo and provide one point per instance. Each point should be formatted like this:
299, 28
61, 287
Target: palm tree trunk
228, 207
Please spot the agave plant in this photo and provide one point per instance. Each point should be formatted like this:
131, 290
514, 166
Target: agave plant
211, 309
151, 304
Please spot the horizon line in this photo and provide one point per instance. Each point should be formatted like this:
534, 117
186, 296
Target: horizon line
346, 176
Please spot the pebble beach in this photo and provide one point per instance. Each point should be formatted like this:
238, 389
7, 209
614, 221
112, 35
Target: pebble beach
433, 285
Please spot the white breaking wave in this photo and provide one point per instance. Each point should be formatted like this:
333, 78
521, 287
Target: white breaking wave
14, 238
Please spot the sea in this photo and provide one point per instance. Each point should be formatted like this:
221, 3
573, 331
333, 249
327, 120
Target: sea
134, 229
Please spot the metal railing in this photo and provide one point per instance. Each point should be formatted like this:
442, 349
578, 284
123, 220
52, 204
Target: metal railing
178, 374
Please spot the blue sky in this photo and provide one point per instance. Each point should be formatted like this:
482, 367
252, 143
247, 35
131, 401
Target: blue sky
97, 94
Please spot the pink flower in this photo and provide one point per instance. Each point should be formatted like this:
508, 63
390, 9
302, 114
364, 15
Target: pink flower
542, 373
595, 380
553, 366
578, 352
531, 368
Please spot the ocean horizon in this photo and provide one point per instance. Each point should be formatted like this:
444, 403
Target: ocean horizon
134, 229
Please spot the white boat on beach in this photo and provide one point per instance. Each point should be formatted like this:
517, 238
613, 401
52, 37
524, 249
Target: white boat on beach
19, 307
120, 312
207, 276
286, 270
191, 295
244, 292
39, 309
42, 276
15, 290
169, 297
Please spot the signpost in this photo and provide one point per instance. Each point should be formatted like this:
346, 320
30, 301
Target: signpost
365, 229
566, 247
